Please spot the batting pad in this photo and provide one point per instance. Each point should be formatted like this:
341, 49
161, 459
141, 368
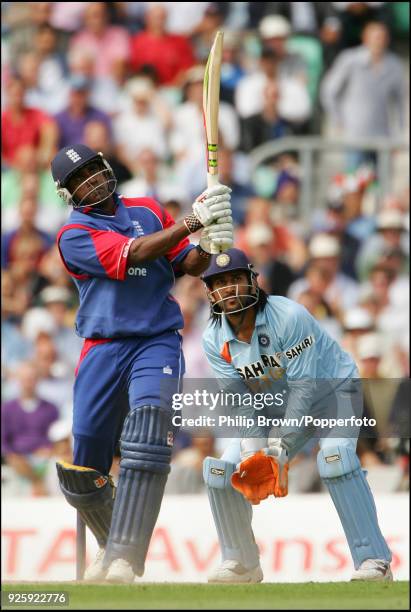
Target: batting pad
92, 494
232, 514
341, 472
144, 467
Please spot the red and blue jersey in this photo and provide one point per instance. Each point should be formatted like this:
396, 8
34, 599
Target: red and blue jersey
118, 300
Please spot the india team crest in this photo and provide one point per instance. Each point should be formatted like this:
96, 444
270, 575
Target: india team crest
223, 260
263, 340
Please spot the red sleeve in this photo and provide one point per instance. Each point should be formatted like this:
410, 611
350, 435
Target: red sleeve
112, 250
95, 253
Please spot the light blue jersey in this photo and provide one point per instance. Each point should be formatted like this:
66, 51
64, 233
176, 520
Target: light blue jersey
287, 345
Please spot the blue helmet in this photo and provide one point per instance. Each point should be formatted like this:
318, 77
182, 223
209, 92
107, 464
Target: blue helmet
232, 259
68, 161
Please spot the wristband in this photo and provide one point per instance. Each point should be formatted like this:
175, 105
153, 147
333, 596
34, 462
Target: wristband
192, 223
204, 254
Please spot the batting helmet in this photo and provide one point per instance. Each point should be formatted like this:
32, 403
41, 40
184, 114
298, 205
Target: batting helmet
68, 161
230, 261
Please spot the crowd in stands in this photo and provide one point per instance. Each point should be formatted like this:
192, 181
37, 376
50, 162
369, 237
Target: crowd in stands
125, 78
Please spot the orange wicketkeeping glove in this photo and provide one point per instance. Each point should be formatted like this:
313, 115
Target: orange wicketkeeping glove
259, 476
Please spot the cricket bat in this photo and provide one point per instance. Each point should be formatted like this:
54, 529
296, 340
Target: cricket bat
211, 101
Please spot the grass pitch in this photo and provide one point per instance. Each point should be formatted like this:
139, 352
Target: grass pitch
171, 596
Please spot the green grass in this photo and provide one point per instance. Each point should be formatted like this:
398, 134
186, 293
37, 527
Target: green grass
168, 596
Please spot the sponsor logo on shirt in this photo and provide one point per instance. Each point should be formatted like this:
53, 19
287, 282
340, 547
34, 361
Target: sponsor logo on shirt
256, 369
296, 350
137, 271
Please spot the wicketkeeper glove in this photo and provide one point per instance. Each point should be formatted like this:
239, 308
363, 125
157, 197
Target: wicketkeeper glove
262, 473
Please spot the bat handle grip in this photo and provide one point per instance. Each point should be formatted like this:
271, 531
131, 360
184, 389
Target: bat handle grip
212, 180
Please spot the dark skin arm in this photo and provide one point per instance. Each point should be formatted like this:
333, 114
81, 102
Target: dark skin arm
148, 248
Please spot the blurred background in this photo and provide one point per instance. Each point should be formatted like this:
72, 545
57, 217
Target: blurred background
314, 144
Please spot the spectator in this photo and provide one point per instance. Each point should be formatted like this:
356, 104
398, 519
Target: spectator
187, 139
67, 16
240, 192
203, 38
275, 275
52, 70
268, 124
152, 179
57, 301
190, 296
357, 322
391, 317
362, 87
60, 437
232, 70
97, 137
55, 376
25, 423
184, 22
26, 231
316, 305
145, 125
24, 181
276, 64
23, 31
169, 54
14, 302
187, 470
339, 291
73, 120
335, 224
174, 208
51, 271
390, 235
106, 91
284, 243
354, 16
109, 45
23, 126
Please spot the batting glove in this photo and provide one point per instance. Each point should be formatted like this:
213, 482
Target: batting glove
218, 237
213, 204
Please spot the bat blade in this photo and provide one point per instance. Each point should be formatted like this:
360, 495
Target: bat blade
211, 100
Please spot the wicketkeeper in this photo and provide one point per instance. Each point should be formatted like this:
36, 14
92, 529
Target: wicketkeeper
123, 255
256, 340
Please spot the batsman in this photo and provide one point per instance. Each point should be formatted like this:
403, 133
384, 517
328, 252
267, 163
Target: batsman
253, 341
123, 255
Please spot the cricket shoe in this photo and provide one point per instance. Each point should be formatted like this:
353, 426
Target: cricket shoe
373, 569
95, 570
233, 571
120, 571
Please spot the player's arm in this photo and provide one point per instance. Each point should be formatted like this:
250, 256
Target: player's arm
299, 338
231, 382
211, 213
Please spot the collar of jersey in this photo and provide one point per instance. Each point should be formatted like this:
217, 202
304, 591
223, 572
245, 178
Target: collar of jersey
120, 220
229, 335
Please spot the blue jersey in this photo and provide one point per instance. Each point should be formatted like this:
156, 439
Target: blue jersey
287, 345
118, 300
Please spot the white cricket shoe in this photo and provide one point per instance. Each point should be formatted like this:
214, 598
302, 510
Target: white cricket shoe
373, 569
121, 571
233, 571
95, 570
